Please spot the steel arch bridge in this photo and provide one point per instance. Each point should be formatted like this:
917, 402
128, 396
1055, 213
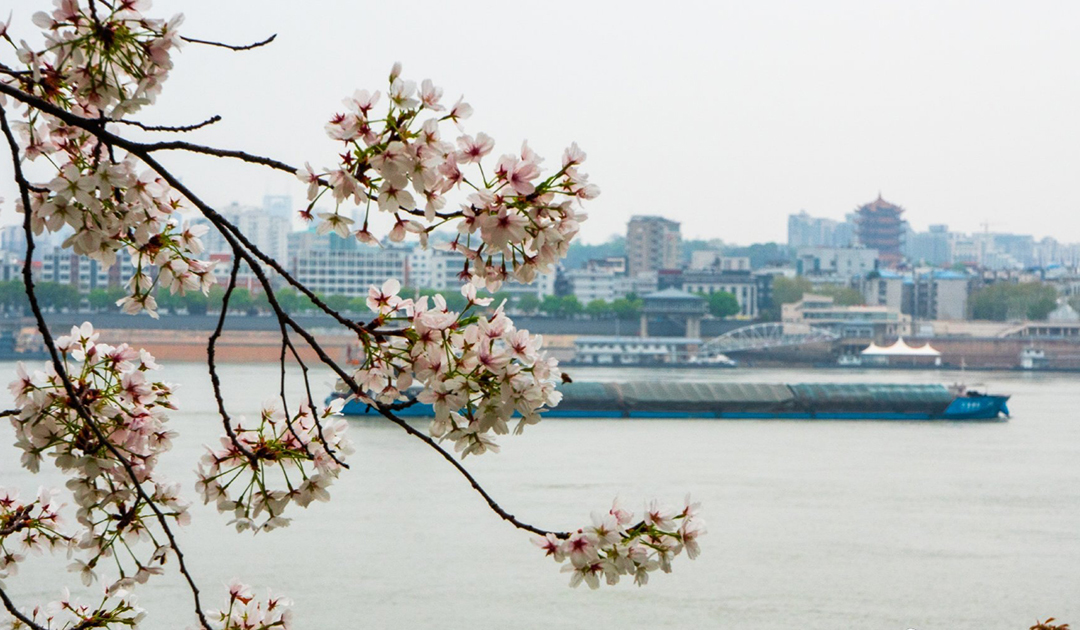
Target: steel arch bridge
762, 336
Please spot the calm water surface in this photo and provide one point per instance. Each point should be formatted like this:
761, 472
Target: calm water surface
812, 525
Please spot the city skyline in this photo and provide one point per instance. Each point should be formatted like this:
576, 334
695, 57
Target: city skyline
961, 117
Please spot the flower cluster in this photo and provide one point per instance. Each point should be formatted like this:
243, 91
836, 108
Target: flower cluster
513, 221
302, 452
112, 427
476, 370
613, 547
106, 60
115, 610
28, 527
245, 612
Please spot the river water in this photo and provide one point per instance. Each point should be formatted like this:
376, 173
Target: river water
812, 525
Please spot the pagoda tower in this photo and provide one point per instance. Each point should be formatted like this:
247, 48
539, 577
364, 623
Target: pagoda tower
879, 226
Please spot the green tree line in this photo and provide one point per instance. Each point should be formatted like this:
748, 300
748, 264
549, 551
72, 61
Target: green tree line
1006, 301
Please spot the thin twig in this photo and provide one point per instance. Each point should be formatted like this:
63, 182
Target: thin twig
230, 46
94, 126
214, 380
184, 128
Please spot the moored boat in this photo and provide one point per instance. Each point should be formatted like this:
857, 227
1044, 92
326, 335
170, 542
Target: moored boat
802, 401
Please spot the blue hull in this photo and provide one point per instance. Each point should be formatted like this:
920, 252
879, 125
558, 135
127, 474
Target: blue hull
961, 409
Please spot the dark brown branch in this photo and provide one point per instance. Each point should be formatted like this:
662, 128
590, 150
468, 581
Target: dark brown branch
495, 507
10, 412
16, 613
264, 42
20, 521
233, 236
82, 625
223, 224
58, 366
184, 128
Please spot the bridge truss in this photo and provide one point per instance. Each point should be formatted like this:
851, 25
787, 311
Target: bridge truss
763, 336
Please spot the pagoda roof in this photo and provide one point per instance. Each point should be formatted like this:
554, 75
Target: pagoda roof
880, 204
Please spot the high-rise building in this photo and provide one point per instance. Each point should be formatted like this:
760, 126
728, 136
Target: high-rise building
837, 264
441, 270
269, 232
66, 267
13, 239
933, 247
924, 294
278, 206
880, 227
329, 264
807, 231
652, 243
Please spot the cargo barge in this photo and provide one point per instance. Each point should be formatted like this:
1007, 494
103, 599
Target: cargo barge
803, 401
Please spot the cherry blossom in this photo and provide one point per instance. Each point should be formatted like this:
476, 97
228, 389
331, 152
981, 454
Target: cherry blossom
401, 161
301, 453
246, 612
114, 610
28, 527
106, 453
611, 547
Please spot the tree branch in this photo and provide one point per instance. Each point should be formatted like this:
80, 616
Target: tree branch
16, 613
184, 128
234, 47
214, 380
58, 366
95, 126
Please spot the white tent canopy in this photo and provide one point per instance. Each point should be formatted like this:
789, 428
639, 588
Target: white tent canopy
900, 349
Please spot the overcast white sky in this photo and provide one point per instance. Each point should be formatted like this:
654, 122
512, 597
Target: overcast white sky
727, 116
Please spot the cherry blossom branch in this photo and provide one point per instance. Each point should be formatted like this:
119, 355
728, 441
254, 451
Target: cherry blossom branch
234, 47
234, 237
74, 398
